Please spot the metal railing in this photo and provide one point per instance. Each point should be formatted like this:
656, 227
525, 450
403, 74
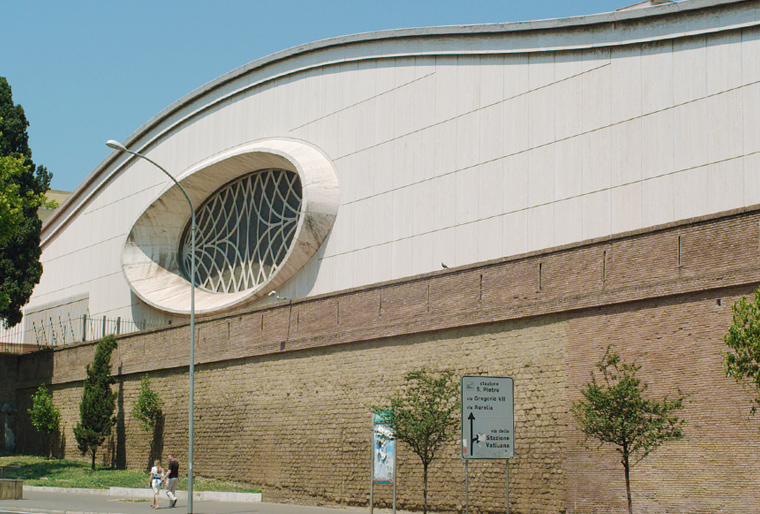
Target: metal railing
51, 333
98, 327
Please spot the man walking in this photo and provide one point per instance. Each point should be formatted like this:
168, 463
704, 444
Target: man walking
171, 480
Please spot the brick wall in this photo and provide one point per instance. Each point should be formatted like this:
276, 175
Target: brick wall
678, 342
281, 392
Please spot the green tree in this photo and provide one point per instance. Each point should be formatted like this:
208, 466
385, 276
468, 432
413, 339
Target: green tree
96, 410
11, 203
20, 267
13, 206
147, 409
743, 338
424, 415
614, 411
45, 416
11, 213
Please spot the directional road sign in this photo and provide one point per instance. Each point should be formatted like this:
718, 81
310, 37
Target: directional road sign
488, 417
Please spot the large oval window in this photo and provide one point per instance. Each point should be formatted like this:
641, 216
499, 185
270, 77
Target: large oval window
244, 231
263, 209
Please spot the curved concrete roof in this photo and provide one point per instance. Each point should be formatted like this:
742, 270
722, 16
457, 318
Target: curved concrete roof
668, 21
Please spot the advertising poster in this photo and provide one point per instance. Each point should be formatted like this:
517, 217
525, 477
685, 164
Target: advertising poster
384, 451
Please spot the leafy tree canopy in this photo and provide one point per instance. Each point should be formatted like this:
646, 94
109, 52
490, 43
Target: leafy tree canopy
15, 140
11, 203
616, 412
743, 338
20, 269
45, 416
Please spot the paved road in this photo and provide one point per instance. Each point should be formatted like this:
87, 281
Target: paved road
73, 503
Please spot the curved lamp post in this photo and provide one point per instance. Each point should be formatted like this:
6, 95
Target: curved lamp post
118, 146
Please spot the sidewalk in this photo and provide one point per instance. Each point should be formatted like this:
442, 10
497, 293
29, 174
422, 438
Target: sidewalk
71, 502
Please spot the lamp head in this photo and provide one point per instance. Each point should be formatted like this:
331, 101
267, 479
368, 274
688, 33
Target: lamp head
116, 145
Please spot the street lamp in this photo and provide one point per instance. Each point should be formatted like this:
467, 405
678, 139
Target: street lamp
118, 146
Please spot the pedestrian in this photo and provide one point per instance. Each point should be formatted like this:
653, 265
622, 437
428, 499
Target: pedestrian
171, 480
156, 479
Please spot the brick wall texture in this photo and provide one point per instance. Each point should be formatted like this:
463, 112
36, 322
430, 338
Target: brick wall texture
281, 392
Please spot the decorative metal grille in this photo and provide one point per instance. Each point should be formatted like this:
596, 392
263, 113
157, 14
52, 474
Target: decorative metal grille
244, 231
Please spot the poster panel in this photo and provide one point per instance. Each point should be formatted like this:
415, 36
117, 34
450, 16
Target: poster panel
384, 452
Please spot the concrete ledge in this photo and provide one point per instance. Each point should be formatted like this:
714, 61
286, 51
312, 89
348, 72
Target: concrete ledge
69, 490
11, 489
225, 497
127, 492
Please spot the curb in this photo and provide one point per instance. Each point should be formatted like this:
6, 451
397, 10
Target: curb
127, 492
37, 511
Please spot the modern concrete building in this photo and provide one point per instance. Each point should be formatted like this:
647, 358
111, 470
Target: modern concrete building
561, 170
416, 147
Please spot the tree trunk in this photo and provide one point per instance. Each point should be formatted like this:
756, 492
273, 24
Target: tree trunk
627, 469
424, 487
93, 459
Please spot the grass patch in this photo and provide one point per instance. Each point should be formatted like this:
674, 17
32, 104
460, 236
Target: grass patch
39, 471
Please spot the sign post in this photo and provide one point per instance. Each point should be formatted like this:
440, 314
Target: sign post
488, 422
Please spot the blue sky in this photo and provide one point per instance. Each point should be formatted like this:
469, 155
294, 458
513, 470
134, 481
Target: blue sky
89, 71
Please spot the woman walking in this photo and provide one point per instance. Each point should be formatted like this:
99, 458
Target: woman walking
156, 479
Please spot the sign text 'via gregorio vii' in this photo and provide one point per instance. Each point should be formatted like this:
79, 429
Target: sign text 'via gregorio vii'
488, 415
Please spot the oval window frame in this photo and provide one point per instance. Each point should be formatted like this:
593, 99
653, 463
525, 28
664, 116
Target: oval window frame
150, 252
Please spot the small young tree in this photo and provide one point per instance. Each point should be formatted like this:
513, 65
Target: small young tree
45, 416
743, 337
424, 415
148, 410
615, 412
96, 410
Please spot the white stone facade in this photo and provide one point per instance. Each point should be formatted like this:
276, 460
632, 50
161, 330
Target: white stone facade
453, 145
